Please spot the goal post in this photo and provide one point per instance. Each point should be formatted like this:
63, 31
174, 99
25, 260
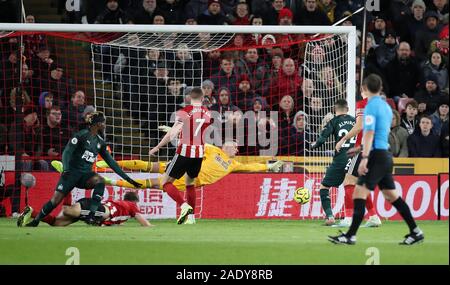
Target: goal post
121, 80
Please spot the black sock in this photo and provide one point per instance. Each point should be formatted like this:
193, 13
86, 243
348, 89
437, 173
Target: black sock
358, 215
97, 196
405, 212
326, 202
46, 209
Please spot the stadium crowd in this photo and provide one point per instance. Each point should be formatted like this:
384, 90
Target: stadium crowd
407, 45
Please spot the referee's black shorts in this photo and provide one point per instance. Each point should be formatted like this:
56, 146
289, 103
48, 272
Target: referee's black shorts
181, 165
380, 167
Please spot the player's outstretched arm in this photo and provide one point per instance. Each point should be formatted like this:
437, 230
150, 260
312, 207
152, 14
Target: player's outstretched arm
140, 218
324, 134
116, 168
170, 135
258, 167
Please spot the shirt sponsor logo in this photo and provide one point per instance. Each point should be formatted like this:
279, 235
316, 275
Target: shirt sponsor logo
88, 156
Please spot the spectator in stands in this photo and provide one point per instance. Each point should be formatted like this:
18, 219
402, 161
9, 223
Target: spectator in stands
412, 23
186, 69
410, 120
240, 15
112, 14
435, 65
9, 73
350, 6
27, 105
288, 82
194, 8
423, 143
330, 82
213, 15
329, 8
72, 114
430, 95
445, 139
208, 91
31, 142
315, 113
172, 10
285, 17
441, 45
226, 111
270, 14
227, 75
40, 64
286, 115
440, 7
402, 73
276, 62
311, 15
245, 93
159, 20
300, 135
256, 71
211, 63
380, 27
427, 35
45, 103
54, 135
440, 116
387, 50
398, 136
60, 85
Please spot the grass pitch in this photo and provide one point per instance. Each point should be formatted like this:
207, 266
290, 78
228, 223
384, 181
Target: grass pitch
218, 242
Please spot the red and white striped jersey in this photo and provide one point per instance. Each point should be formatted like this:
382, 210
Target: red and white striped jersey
120, 212
360, 105
195, 120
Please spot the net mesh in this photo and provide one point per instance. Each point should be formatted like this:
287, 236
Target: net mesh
140, 79
325, 81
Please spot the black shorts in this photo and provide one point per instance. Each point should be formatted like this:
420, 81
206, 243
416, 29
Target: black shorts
85, 204
380, 167
352, 167
181, 165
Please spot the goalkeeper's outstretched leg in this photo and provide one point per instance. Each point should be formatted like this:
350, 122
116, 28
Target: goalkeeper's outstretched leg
151, 167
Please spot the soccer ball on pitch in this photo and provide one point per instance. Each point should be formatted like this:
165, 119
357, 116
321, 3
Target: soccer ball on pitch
302, 195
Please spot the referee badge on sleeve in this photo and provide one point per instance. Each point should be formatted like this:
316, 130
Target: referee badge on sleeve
369, 120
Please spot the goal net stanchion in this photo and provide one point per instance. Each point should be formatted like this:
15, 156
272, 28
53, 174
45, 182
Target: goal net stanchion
126, 59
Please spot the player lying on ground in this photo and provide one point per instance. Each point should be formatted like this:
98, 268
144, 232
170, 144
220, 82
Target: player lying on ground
351, 177
376, 166
217, 163
77, 158
110, 212
337, 127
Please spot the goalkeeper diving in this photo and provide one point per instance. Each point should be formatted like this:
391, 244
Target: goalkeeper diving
217, 163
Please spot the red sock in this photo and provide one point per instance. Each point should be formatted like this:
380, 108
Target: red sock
190, 193
68, 200
49, 219
369, 205
173, 192
348, 200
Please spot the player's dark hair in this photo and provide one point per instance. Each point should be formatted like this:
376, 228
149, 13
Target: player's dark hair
196, 93
373, 83
341, 104
131, 196
94, 118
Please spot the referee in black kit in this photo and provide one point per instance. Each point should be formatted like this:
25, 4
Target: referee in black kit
376, 166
